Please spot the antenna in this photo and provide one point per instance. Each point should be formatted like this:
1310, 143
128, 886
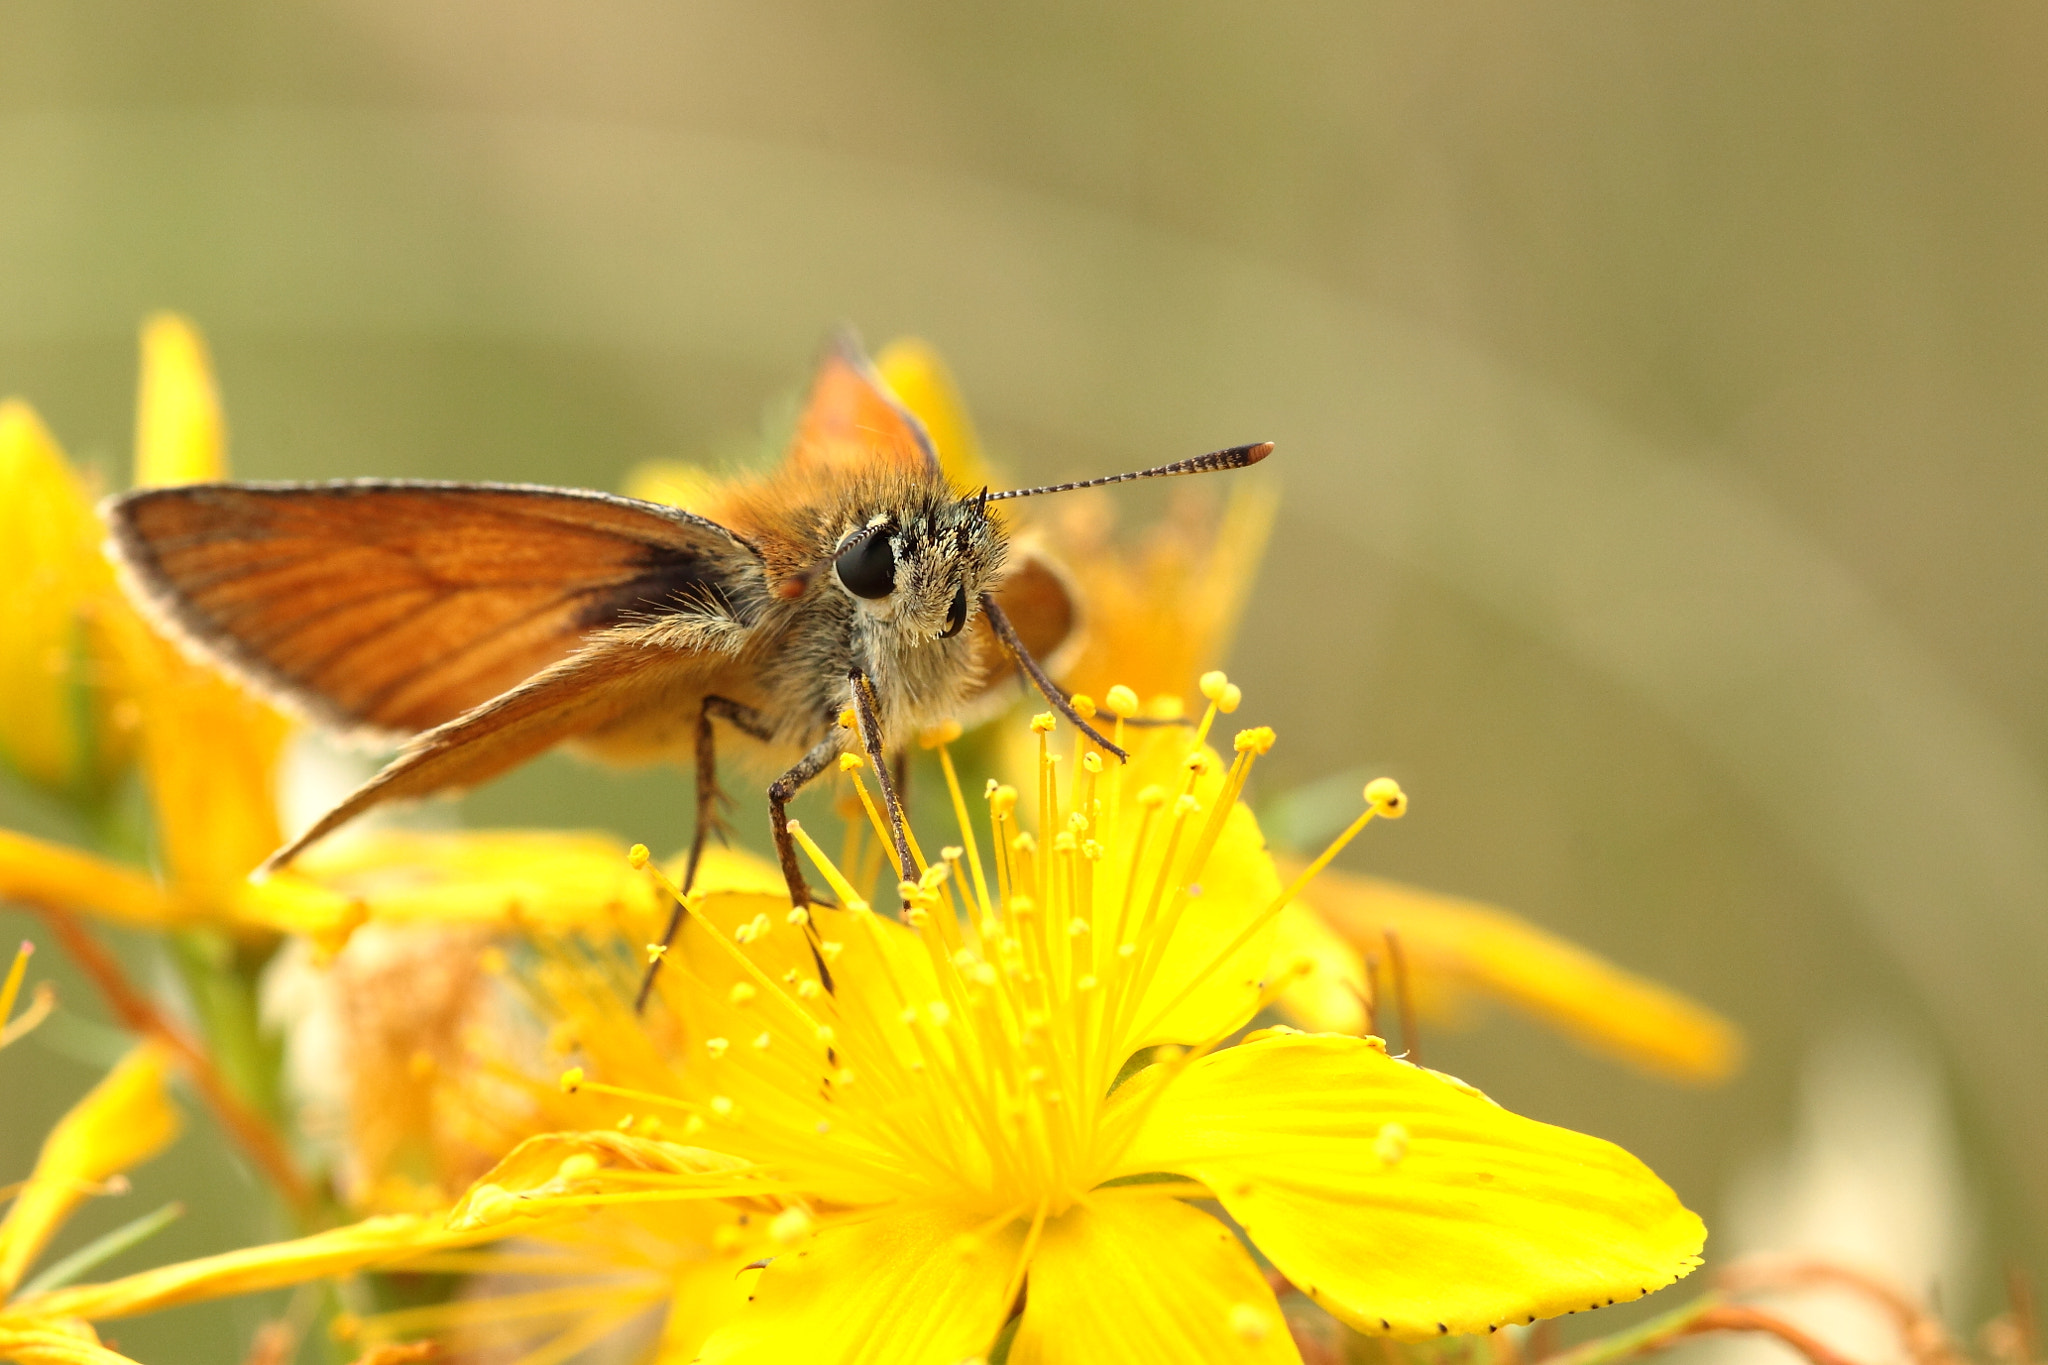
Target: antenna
1237, 457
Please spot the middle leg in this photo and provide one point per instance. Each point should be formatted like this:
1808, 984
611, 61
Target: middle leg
708, 822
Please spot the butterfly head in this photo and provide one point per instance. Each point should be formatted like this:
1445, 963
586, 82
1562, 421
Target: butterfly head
921, 565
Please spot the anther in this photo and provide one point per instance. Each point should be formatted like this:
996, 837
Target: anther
790, 1227
716, 1047
1122, 702
1083, 704
1385, 796
1258, 740
1152, 797
1212, 684
742, 993
846, 719
637, 856
1043, 723
798, 916
851, 763
655, 951
571, 1079
1230, 698
1091, 762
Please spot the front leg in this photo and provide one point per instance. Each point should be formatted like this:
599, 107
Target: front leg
867, 715
780, 793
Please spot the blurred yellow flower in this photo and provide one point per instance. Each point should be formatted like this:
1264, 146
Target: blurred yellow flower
66, 723
123, 1121
950, 1112
209, 750
1459, 952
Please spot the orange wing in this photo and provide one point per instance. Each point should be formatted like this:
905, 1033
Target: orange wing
851, 423
395, 607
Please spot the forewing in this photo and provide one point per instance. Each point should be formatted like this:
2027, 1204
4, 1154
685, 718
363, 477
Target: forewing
852, 423
395, 607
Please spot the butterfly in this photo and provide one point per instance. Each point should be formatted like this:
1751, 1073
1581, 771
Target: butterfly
482, 624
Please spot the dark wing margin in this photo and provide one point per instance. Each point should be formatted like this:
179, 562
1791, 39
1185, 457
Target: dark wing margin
388, 607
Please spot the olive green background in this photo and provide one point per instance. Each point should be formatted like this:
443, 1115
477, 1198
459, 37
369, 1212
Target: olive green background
1658, 389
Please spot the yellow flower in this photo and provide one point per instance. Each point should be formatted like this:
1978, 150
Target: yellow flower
65, 722
209, 750
1158, 613
945, 1116
123, 1121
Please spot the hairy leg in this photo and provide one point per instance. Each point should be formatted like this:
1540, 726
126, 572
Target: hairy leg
709, 798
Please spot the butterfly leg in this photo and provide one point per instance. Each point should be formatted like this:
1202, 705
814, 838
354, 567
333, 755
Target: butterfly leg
866, 713
710, 800
781, 792
708, 822
1039, 678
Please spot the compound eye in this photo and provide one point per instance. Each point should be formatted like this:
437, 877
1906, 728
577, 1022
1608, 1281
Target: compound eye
956, 614
868, 566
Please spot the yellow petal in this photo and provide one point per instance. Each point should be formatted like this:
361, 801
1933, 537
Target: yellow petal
180, 436
1458, 949
209, 757
1149, 1279
492, 877
1331, 997
40, 1342
1192, 997
905, 1287
707, 1291
124, 1120
922, 383
1406, 1202
339, 1251
60, 714
51, 876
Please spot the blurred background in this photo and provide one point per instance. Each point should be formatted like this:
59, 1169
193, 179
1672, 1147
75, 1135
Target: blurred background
1659, 394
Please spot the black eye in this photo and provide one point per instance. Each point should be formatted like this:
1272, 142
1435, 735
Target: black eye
956, 615
868, 566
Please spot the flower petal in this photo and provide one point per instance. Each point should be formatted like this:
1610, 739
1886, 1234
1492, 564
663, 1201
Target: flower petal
41, 1342
1191, 996
1404, 1201
899, 1288
124, 1120
51, 876
209, 757
58, 707
1458, 948
340, 1251
180, 436
1147, 1278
